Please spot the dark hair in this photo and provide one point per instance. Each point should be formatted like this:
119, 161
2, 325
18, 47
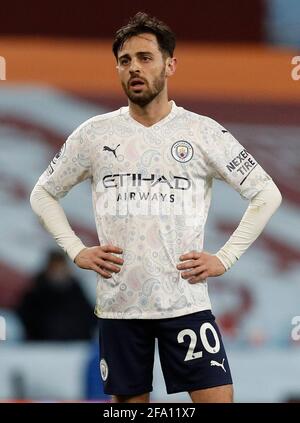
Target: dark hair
143, 23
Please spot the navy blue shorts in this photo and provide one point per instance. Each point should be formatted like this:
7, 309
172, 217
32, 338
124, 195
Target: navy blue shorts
191, 351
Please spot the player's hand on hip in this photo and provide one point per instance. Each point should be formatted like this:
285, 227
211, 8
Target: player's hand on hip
100, 260
196, 267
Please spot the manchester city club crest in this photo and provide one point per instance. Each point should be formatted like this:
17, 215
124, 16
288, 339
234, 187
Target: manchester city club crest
103, 369
182, 151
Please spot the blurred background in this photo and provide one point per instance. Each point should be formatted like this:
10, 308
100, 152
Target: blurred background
56, 70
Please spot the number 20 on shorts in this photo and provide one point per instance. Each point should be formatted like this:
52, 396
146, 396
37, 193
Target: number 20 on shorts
191, 353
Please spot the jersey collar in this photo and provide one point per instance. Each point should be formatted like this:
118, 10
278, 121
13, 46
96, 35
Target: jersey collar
174, 109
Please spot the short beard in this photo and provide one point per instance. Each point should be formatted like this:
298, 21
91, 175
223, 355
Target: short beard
148, 96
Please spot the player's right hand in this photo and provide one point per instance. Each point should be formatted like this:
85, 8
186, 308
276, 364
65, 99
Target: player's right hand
100, 260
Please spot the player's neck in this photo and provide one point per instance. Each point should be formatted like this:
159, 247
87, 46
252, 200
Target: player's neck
152, 113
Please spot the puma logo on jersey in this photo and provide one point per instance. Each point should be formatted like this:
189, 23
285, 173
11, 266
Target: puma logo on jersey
215, 363
112, 150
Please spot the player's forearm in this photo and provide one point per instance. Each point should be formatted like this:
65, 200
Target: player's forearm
53, 218
257, 215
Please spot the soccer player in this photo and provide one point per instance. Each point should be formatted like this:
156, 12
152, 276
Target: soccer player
151, 166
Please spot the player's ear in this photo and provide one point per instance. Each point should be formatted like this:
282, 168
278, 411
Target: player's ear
117, 64
118, 68
171, 64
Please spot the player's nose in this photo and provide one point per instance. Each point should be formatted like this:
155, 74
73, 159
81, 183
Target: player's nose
134, 66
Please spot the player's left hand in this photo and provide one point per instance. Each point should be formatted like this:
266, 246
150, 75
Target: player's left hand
199, 266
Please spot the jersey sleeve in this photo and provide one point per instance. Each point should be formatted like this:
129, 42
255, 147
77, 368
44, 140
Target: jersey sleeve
70, 166
231, 162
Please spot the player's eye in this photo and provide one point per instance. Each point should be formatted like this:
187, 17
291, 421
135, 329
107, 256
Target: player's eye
124, 62
146, 58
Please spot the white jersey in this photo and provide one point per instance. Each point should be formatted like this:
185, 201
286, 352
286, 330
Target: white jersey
151, 190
